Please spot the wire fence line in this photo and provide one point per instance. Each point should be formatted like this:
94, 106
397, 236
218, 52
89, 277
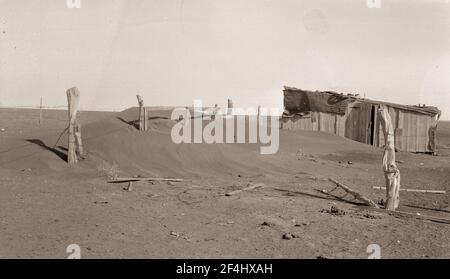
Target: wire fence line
46, 113
60, 107
33, 107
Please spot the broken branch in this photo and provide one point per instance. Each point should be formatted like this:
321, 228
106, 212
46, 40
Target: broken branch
355, 194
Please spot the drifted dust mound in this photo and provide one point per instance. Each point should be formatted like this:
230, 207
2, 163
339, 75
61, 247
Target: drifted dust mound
116, 141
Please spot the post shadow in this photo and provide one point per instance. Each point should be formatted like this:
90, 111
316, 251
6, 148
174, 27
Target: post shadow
40, 143
135, 123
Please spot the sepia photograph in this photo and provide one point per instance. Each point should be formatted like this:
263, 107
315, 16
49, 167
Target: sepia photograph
226, 130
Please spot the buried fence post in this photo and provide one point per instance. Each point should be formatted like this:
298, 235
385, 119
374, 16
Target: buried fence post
230, 107
145, 118
141, 113
259, 114
73, 98
215, 111
40, 112
391, 172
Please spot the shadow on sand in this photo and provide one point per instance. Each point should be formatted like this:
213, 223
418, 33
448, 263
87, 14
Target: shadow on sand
135, 123
40, 143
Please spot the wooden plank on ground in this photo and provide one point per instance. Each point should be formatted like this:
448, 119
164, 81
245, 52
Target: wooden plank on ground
128, 179
414, 190
249, 188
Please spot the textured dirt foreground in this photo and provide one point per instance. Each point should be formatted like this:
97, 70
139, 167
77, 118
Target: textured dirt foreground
46, 206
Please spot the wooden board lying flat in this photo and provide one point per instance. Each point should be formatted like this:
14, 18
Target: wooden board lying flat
126, 179
414, 190
249, 188
406, 214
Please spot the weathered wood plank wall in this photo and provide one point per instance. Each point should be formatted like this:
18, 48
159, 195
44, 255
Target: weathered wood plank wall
411, 128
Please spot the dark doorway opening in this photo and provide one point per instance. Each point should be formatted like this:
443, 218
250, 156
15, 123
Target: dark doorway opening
372, 126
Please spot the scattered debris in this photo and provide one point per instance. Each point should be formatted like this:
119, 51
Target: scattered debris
370, 216
403, 214
101, 202
334, 211
267, 224
178, 235
129, 188
301, 224
289, 236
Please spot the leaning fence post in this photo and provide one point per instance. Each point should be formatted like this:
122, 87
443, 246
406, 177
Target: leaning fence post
391, 172
73, 97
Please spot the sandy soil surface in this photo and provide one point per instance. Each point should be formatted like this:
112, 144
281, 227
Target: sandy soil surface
46, 206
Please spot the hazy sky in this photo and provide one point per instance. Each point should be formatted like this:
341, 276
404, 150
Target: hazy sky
175, 51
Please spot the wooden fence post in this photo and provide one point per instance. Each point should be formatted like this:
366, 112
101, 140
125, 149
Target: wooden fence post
78, 141
141, 113
230, 107
73, 98
145, 118
40, 112
391, 172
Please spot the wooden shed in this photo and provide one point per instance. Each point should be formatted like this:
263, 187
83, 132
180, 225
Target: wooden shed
356, 118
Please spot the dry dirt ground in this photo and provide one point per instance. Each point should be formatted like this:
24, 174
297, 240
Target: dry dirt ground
46, 206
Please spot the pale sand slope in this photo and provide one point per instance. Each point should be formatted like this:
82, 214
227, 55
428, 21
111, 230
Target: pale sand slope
46, 206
